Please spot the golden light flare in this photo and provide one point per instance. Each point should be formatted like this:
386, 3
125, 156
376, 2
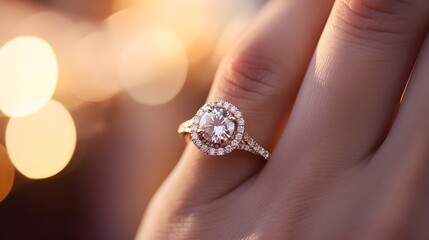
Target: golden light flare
42, 144
49, 25
62, 34
185, 19
11, 14
95, 61
28, 75
7, 174
128, 21
153, 67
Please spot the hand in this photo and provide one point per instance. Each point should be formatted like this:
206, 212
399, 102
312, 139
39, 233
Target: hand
321, 89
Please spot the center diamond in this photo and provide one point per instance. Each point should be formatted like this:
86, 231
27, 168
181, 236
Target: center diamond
217, 127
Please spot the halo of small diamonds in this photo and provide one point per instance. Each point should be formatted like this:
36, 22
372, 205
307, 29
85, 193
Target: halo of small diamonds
217, 128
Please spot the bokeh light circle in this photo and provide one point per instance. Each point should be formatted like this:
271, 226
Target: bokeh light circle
42, 144
7, 174
95, 76
28, 75
153, 67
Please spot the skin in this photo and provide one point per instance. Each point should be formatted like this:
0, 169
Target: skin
320, 85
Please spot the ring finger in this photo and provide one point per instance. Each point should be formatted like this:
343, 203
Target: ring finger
261, 76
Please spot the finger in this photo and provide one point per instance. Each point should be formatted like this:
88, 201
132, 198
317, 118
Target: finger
261, 77
399, 167
264, 71
355, 80
408, 140
266, 68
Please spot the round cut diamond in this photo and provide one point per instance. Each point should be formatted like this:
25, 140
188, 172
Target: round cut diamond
220, 151
217, 126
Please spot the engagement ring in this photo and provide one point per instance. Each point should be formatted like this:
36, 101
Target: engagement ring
218, 129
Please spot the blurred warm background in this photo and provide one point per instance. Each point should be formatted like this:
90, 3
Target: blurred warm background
91, 94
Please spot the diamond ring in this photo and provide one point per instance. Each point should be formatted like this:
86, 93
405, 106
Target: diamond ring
218, 129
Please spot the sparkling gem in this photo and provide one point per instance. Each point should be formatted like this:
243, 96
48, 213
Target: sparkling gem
240, 129
217, 127
238, 136
220, 151
227, 105
198, 143
228, 149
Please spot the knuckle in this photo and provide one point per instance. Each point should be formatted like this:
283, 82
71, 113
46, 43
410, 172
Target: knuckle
383, 22
249, 77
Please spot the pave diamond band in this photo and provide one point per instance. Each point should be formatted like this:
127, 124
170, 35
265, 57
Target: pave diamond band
218, 129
